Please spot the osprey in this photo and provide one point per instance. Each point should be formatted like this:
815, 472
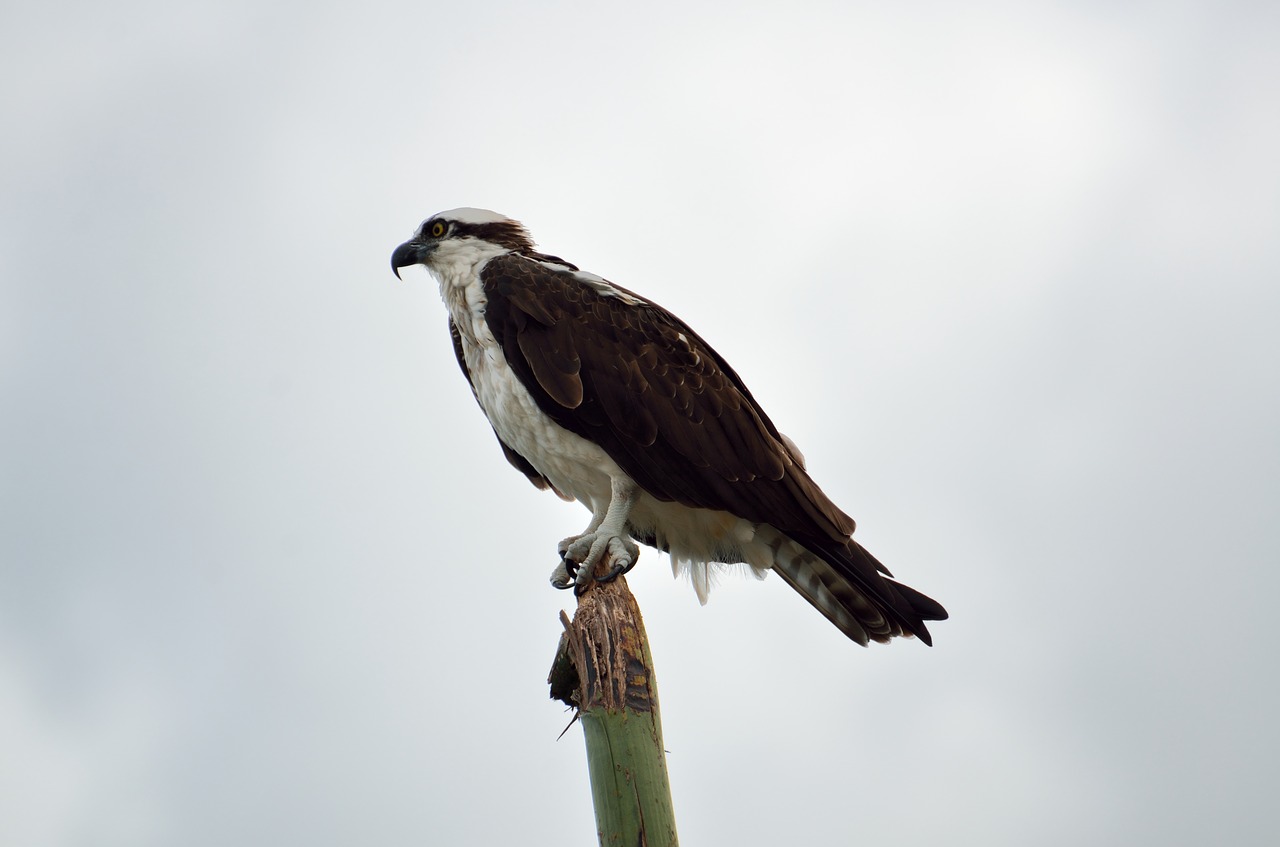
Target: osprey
604, 397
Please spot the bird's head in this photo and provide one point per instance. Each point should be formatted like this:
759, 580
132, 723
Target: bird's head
460, 235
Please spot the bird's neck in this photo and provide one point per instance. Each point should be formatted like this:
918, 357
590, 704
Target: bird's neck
458, 273
457, 264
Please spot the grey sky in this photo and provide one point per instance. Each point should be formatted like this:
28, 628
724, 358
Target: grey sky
1008, 274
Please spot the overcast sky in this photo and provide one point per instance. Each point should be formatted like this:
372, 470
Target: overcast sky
1008, 273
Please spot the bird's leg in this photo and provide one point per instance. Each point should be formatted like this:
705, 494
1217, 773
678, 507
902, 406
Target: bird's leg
605, 536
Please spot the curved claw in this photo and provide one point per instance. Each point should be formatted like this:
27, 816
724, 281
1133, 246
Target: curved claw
615, 572
565, 574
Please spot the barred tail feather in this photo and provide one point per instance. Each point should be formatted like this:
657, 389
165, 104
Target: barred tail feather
844, 584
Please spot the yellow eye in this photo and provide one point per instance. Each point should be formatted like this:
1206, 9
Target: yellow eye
437, 229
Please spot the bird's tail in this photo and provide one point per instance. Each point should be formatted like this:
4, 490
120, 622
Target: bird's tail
851, 588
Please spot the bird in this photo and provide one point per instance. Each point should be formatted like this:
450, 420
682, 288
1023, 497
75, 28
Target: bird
604, 397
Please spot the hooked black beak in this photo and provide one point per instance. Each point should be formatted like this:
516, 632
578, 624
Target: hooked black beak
410, 253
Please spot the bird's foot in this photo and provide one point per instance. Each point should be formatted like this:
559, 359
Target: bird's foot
580, 554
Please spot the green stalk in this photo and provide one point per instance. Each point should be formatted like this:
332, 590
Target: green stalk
604, 669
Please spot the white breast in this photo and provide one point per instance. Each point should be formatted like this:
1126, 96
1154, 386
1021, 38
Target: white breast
574, 465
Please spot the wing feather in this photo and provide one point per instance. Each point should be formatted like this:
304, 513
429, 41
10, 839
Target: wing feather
626, 374
554, 361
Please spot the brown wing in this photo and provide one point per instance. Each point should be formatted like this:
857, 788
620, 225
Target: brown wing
628, 375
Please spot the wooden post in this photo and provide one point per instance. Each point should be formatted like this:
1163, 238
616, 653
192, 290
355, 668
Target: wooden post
603, 669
